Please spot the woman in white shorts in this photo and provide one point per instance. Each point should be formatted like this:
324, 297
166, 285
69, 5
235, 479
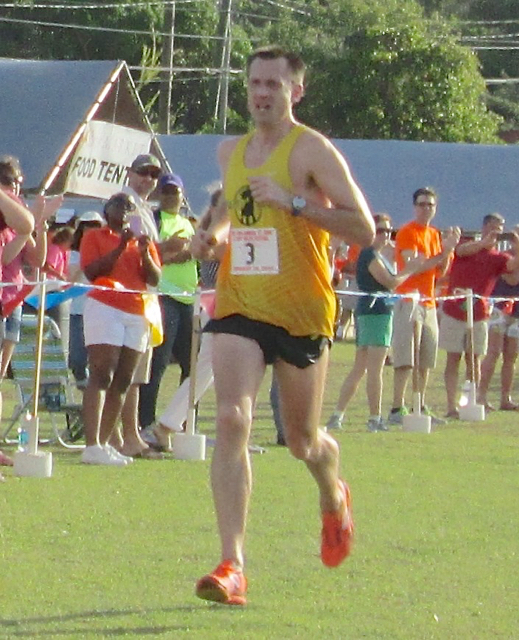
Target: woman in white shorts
503, 340
116, 330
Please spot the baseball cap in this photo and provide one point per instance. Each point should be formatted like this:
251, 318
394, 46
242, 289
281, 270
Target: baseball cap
145, 160
91, 216
171, 179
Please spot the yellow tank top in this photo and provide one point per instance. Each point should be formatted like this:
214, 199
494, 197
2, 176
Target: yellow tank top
276, 268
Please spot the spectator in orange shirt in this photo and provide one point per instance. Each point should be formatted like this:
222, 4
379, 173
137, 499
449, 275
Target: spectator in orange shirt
418, 237
116, 330
345, 266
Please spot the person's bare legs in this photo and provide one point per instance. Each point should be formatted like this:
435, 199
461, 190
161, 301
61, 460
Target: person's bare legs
451, 377
508, 370
376, 356
238, 367
423, 378
301, 396
352, 380
131, 442
5, 356
488, 366
102, 359
115, 394
401, 377
473, 369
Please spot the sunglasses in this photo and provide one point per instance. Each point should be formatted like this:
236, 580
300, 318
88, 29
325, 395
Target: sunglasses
425, 204
170, 189
384, 230
11, 181
151, 172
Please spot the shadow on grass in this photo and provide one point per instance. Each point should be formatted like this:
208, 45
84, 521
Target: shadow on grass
45, 626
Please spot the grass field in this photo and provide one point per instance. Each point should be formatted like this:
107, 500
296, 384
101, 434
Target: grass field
109, 552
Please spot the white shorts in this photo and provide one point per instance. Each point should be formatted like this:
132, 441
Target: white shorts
503, 323
107, 325
454, 335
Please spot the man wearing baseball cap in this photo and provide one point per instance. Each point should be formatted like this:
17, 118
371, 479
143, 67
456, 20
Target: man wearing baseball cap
143, 175
177, 284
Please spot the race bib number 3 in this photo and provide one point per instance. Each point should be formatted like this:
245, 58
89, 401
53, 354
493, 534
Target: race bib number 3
254, 252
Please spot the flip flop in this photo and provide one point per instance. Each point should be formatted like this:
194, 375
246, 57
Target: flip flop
509, 406
149, 454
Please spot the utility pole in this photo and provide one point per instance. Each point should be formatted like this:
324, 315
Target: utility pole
166, 75
223, 85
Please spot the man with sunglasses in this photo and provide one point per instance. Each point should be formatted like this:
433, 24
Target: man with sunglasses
143, 176
177, 284
418, 237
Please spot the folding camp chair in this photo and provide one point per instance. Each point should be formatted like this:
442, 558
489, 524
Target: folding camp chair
56, 389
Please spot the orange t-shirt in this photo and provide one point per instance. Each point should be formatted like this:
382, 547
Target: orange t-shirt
127, 271
426, 241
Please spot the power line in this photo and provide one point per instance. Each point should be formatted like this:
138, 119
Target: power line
114, 5
499, 36
485, 22
186, 69
39, 23
494, 48
502, 81
303, 12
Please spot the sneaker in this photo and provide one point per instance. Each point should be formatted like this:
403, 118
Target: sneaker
117, 454
226, 585
382, 424
148, 436
337, 532
334, 422
377, 424
434, 419
397, 417
96, 454
373, 424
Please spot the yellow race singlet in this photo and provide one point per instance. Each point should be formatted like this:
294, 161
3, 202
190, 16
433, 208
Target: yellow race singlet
276, 268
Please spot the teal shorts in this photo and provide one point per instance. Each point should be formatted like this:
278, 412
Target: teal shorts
374, 330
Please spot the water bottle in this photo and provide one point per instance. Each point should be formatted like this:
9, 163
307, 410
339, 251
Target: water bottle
465, 393
23, 439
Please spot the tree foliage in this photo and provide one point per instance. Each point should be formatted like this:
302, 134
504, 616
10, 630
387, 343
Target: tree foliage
381, 71
378, 68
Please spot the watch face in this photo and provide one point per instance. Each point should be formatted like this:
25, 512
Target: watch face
298, 202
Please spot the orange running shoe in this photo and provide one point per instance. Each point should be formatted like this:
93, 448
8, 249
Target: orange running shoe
225, 584
337, 532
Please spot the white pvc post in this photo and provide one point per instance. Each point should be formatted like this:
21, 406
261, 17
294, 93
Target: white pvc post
191, 445
34, 463
471, 412
416, 421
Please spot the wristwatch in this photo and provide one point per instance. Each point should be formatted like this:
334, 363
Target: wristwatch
298, 204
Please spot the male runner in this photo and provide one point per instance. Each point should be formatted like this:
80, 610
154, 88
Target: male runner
286, 190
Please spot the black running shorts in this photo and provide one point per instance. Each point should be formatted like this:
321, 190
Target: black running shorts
275, 342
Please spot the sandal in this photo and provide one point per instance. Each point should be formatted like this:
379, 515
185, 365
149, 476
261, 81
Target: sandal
149, 454
163, 438
509, 406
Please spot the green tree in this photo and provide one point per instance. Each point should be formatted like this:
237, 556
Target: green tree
379, 70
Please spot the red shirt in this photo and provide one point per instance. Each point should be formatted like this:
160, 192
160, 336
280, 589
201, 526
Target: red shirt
127, 272
478, 272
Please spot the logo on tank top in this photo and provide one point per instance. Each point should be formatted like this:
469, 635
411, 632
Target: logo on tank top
247, 211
